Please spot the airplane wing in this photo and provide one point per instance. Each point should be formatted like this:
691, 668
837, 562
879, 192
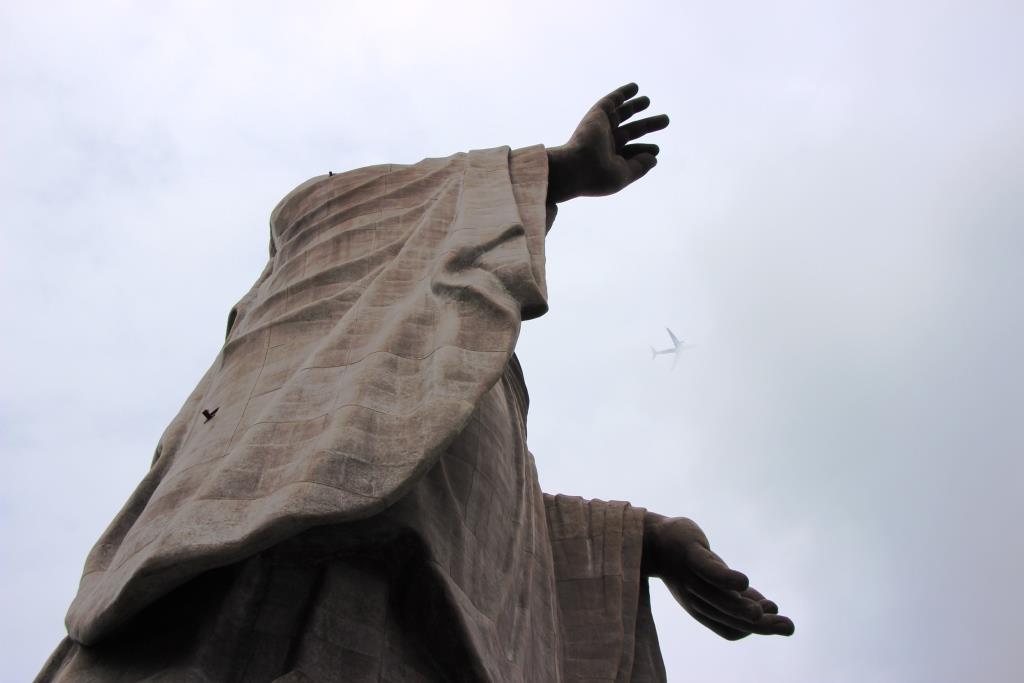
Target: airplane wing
674, 340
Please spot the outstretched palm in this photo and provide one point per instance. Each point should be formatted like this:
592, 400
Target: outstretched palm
598, 159
720, 598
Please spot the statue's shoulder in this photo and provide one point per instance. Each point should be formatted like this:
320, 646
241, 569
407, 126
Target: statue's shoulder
330, 194
332, 184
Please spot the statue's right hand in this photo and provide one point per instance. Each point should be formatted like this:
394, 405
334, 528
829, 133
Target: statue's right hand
600, 157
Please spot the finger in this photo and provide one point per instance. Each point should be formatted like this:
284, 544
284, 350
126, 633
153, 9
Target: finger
714, 570
767, 625
767, 605
613, 100
716, 626
627, 110
753, 594
774, 625
727, 601
640, 164
630, 151
632, 131
780, 625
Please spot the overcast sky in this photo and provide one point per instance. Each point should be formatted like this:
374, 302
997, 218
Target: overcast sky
836, 225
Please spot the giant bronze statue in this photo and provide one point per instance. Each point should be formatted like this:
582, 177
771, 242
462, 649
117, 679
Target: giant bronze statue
347, 494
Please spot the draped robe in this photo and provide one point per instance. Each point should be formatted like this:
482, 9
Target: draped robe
362, 506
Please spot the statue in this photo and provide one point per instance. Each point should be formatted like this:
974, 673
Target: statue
347, 494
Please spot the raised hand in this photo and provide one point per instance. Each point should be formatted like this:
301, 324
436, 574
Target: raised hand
720, 598
599, 158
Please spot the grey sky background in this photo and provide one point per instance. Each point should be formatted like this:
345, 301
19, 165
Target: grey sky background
836, 224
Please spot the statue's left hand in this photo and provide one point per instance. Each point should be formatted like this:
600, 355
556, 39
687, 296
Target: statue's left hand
720, 598
600, 157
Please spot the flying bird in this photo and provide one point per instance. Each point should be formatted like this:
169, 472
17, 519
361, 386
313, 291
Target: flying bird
208, 414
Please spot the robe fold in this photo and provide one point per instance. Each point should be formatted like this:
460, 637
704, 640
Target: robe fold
362, 506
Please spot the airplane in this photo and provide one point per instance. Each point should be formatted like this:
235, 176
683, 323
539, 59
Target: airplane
677, 348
